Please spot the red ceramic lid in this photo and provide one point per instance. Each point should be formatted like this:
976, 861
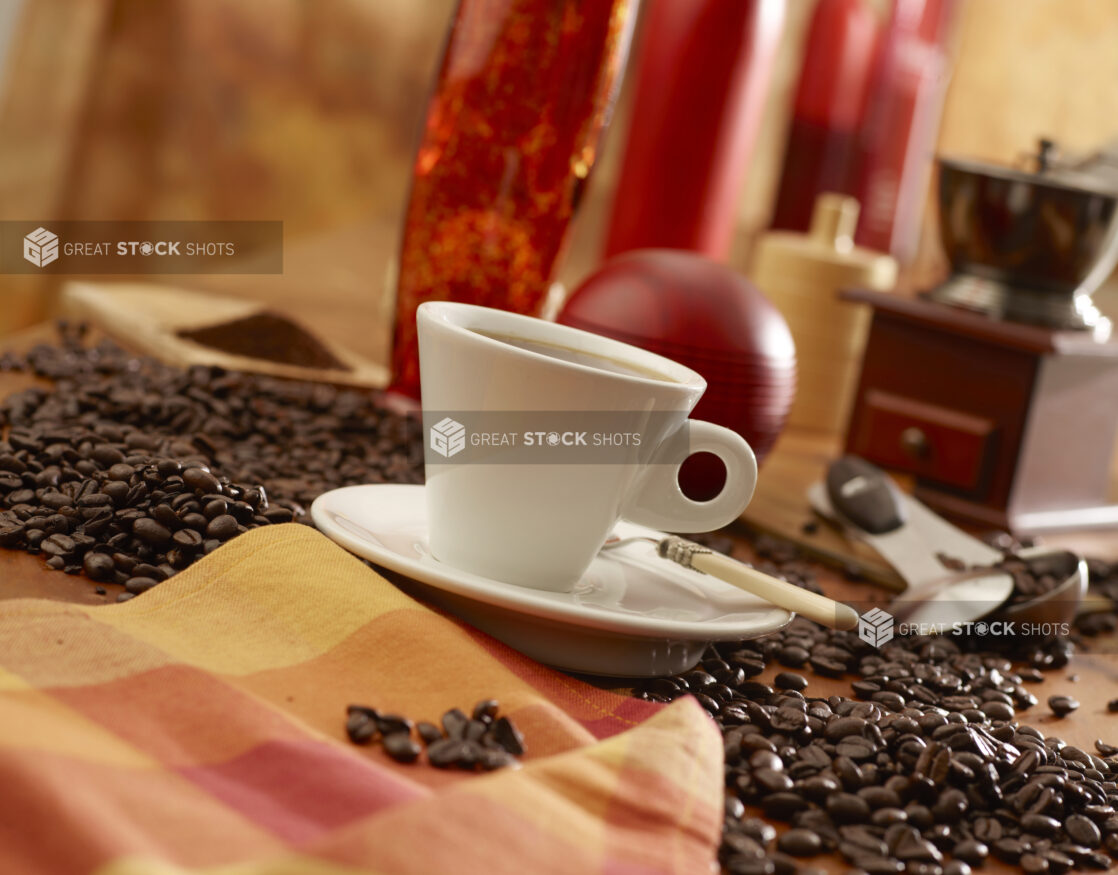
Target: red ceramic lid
679, 300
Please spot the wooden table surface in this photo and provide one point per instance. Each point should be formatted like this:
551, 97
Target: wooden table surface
798, 460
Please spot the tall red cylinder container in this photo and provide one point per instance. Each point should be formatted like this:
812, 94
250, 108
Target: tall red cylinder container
701, 82
522, 95
829, 109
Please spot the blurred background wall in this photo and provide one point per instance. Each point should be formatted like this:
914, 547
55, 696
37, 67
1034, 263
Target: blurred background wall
308, 110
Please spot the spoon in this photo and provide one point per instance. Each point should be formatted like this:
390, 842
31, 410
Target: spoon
825, 611
1060, 604
908, 535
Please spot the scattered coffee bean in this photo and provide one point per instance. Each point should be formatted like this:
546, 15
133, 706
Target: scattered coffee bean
800, 843
361, 726
485, 710
392, 724
787, 680
137, 585
1061, 706
401, 747
971, 851
99, 566
484, 743
429, 732
126, 452
508, 736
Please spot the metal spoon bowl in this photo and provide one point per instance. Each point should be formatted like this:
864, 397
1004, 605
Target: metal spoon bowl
1059, 604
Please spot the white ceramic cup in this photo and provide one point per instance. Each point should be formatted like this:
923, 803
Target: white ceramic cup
540, 525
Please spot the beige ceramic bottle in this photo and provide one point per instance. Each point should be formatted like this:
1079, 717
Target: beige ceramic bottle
802, 274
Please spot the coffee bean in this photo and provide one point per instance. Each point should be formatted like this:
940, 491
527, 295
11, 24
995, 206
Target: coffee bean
393, 724
788, 720
187, 540
137, 585
1104, 749
787, 680
800, 843
454, 723
201, 481
151, 532
772, 781
507, 736
11, 534
165, 515
401, 747
818, 787
998, 711
888, 816
429, 732
971, 851
1061, 706
58, 545
766, 759
445, 753
855, 748
847, 808
195, 521
360, 727
99, 566
1083, 831
215, 507
842, 727
222, 527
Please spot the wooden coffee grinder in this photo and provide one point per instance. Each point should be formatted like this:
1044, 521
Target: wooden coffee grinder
998, 390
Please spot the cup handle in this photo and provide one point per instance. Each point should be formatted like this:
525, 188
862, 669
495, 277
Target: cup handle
657, 501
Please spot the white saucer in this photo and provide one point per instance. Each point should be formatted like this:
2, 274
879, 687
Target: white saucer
633, 614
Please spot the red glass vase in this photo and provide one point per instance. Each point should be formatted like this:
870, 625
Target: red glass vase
523, 93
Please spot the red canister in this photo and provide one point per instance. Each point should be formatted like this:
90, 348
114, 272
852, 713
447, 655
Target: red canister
829, 109
703, 76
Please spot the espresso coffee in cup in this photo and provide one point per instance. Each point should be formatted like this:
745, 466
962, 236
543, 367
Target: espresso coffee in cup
512, 494
578, 357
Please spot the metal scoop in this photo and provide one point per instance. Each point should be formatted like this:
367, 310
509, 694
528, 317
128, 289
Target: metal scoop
909, 536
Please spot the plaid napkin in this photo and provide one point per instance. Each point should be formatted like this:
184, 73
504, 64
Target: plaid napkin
200, 728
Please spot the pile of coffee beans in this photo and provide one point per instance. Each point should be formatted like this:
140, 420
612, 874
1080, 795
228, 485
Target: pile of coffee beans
1032, 576
129, 470
925, 768
483, 741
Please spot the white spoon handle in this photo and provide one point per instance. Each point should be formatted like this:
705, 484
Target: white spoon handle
821, 609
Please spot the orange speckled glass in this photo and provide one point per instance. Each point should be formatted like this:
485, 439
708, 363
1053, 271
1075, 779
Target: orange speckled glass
524, 91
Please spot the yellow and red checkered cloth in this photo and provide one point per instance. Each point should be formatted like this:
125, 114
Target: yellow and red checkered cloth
200, 728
